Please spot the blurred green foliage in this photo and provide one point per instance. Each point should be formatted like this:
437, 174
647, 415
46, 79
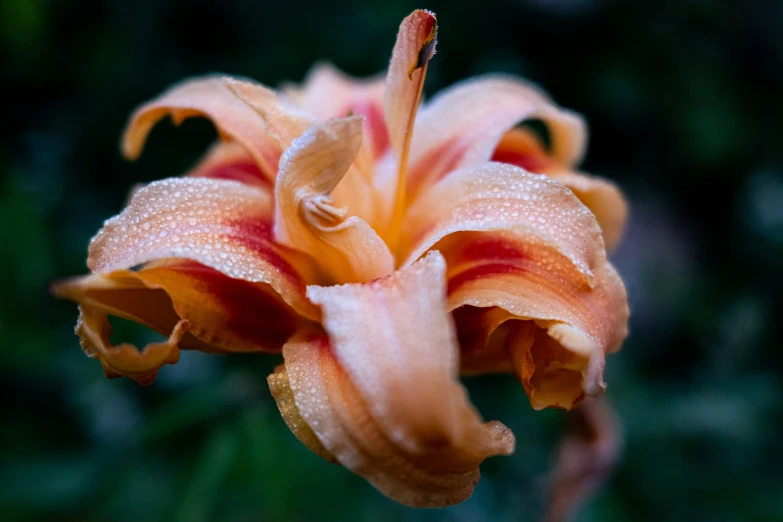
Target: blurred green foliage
683, 99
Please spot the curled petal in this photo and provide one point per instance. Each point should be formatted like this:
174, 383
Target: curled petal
230, 315
553, 377
603, 198
93, 329
221, 224
482, 339
208, 97
522, 307
524, 243
347, 248
463, 125
499, 197
381, 392
285, 123
196, 306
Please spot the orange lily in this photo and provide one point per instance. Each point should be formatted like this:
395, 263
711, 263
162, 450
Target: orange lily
380, 251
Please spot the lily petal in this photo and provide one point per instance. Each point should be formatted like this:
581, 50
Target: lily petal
347, 248
283, 393
603, 198
284, 122
216, 313
522, 307
93, 329
229, 160
415, 46
221, 224
523, 243
327, 93
381, 391
500, 197
463, 125
412, 52
355, 190
208, 97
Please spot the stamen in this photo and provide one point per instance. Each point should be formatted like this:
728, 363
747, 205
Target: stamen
321, 214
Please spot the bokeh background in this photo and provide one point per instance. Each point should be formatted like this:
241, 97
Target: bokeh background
684, 102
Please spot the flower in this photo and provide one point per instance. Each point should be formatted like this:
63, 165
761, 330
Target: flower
381, 257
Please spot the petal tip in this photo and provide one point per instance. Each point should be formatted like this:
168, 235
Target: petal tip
427, 49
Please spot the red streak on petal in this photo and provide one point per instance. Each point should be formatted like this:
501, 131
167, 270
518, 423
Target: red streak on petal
255, 233
374, 125
535, 163
480, 272
244, 171
490, 249
252, 313
440, 160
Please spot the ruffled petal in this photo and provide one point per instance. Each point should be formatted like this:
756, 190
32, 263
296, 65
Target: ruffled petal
196, 306
125, 360
463, 125
221, 224
525, 244
522, 307
211, 98
381, 391
415, 46
499, 197
603, 198
347, 248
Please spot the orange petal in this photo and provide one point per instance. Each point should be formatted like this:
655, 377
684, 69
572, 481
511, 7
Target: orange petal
550, 327
525, 244
93, 329
285, 123
381, 392
221, 224
217, 314
603, 198
347, 248
463, 125
329, 93
482, 339
415, 47
499, 197
280, 386
230, 161
208, 97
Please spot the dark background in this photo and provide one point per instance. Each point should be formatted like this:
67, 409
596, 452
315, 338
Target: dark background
684, 103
